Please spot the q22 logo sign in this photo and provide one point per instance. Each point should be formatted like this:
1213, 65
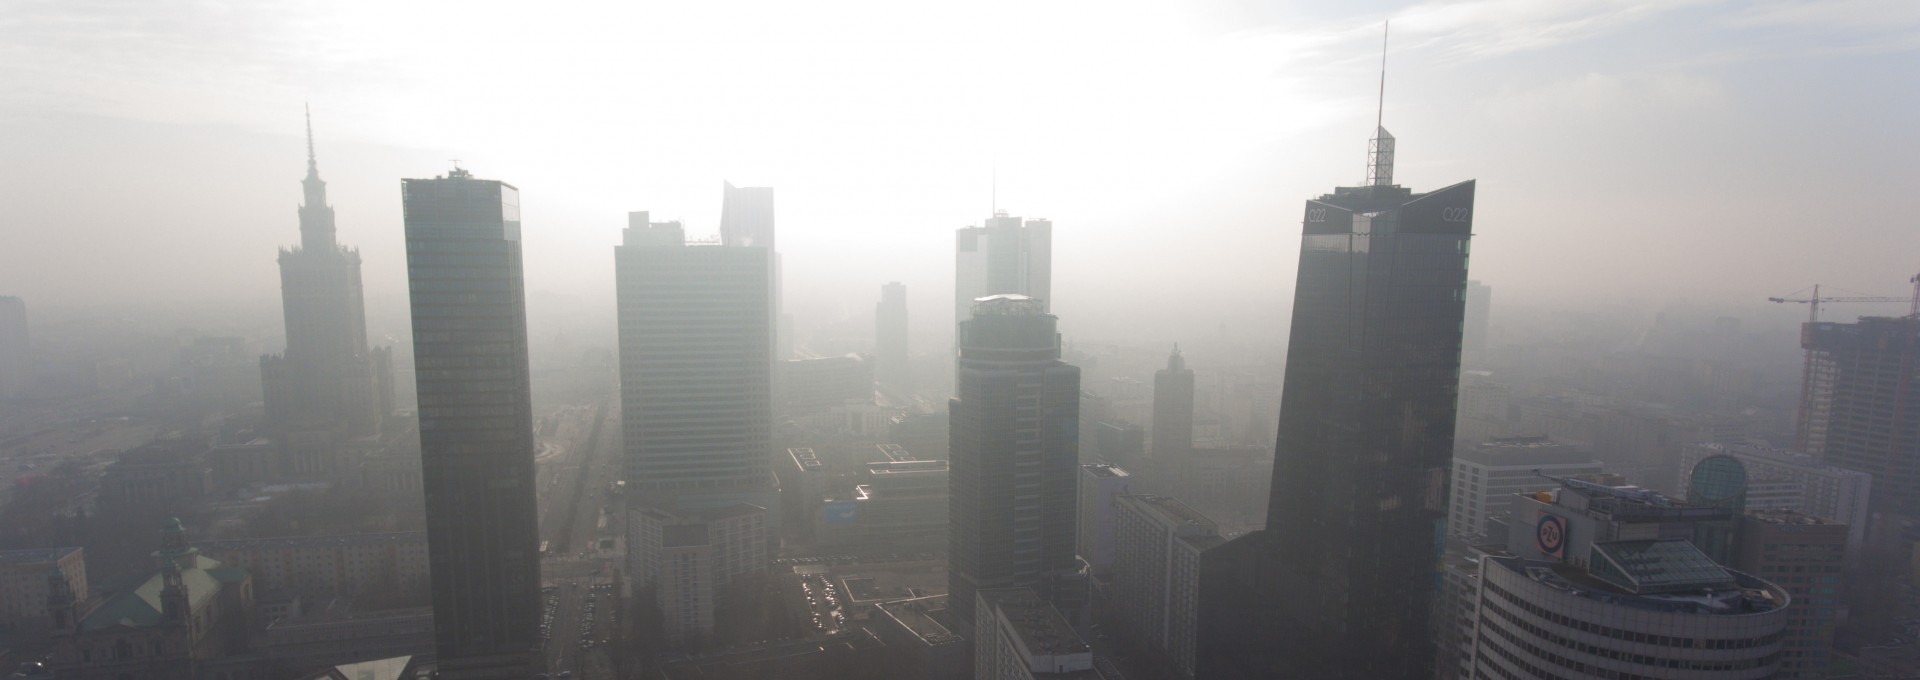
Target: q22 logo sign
1456, 214
1550, 535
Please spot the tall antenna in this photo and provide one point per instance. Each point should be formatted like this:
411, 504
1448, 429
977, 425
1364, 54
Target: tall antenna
996, 189
1379, 113
1380, 148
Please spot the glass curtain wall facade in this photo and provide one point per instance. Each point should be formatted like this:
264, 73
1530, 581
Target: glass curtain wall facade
476, 424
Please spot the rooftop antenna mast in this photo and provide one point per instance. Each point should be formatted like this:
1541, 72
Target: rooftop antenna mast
1380, 148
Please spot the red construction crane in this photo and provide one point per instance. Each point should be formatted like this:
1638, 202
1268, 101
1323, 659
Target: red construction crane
1813, 315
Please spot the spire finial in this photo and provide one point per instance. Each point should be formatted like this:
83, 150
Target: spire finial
310, 159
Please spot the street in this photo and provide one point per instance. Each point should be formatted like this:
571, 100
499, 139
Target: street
578, 514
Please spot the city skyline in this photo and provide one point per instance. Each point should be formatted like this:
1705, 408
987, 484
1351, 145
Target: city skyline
1695, 80
1118, 410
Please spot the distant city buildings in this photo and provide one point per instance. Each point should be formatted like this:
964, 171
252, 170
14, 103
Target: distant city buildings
900, 503
1365, 445
1006, 256
1156, 574
820, 384
892, 365
1860, 410
1173, 408
328, 382
1013, 457
476, 423
1473, 332
24, 578
16, 361
1788, 480
1099, 485
368, 568
1488, 476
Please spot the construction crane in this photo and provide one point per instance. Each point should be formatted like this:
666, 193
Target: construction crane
1813, 303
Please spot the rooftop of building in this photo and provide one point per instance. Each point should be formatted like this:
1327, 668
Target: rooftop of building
1777, 516
906, 467
1007, 304
1773, 455
1520, 451
395, 668
1169, 507
333, 540
1202, 542
1104, 470
140, 606
34, 556
1665, 576
895, 452
916, 615
1041, 628
805, 459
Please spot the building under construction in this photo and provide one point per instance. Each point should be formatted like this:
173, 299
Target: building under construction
1860, 410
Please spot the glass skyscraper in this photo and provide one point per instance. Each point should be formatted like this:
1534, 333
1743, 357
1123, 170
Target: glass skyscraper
1338, 584
476, 424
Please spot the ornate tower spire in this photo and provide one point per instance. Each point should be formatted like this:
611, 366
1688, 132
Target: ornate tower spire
1380, 148
316, 217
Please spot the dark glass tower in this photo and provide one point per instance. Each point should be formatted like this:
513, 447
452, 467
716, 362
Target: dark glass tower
1013, 458
1337, 585
476, 423
1173, 408
328, 380
890, 342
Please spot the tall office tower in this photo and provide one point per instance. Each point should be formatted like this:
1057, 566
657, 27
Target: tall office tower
16, 365
1173, 408
890, 342
328, 379
1099, 485
1156, 578
1012, 456
476, 423
1473, 334
1008, 256
696, 371
746, 217
1805, 555
1365, 441
1862, 409
1488, 476
746, 221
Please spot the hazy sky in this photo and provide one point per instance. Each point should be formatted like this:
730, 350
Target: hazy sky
1720, 151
